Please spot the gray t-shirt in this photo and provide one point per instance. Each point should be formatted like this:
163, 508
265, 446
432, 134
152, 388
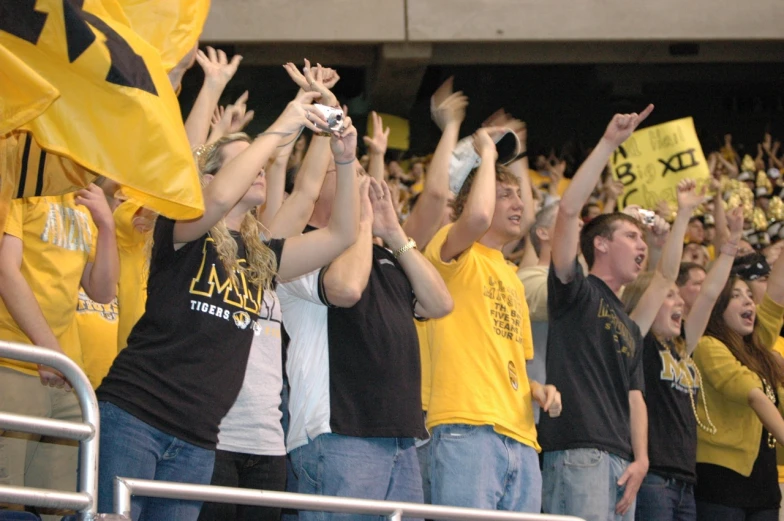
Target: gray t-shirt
252, 425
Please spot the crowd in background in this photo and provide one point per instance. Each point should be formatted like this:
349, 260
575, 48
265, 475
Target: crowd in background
473, 328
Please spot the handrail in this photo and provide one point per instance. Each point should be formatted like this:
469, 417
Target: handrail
86, 433
124, 488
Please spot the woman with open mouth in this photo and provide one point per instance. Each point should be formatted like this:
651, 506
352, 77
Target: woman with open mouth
672, 381
742, 381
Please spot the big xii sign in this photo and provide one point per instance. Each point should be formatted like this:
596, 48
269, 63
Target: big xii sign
653, 160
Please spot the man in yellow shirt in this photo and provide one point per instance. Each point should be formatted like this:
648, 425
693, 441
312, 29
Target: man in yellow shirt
484, 446
50, 245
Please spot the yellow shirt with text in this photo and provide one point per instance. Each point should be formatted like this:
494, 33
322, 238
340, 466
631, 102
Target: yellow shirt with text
478, 352
97, 325
132, 286
58, 238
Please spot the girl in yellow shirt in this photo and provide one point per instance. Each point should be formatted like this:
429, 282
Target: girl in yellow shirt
736, 464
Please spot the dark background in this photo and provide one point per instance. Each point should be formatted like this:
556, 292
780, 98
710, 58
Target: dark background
566, 107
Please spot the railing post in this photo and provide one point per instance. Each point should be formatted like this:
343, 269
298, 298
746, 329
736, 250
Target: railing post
397, 515
122, 497
88, 460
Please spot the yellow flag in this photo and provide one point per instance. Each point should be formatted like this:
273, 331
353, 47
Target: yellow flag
25, 93
171, 26
117, 114
653, 160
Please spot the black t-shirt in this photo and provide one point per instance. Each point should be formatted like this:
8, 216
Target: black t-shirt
594, 358
672, 427
374, 367
717, 484
186, 357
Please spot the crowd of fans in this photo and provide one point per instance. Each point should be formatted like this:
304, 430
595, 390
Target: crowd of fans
471, 328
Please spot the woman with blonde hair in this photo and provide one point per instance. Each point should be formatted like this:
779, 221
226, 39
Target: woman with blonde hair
742, 382
672, 382
164, 397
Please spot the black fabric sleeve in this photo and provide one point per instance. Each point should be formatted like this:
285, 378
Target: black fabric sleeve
276, 245
322, 291
163, 241
562, 297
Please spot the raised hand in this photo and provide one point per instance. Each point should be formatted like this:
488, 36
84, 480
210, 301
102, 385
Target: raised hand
378, 143
95, 201
688, 196
233, 118
365, 206
218, 70
483, 143
734, 222
447, 107
385, 219
299, 113
614, 189
622, 126
344, 143
313, 80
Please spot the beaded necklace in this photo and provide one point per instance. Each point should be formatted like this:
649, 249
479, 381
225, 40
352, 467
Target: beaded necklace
771, 394
710, 428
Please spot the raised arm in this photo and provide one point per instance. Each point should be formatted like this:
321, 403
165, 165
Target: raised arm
294, 213
218, 70
567, 229
276, 184
776, 281
101, 276
432, 297
298, 207
346, 278
477, 214
233, 179
377, 147
695, 324
667, 269
305, 253
425, 218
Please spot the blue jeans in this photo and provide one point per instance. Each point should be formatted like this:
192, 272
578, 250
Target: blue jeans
365, 468
133, 449
583, 483
665, 499
474, 466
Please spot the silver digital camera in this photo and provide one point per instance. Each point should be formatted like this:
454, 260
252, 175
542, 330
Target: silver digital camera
647, 216
333, 116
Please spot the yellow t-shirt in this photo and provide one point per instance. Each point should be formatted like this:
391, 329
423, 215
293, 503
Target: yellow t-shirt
478, 352
58, 238
97, 325
779, 348
132, 286
424, 353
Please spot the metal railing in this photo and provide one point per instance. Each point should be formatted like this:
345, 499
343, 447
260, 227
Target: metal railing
85, 433
124, 488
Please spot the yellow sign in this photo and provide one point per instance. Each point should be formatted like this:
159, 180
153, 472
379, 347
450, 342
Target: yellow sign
653, 160
398, 130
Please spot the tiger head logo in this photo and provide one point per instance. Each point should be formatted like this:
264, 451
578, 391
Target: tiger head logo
241, 319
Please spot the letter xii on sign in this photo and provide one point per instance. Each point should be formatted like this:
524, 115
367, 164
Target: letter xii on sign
653, 160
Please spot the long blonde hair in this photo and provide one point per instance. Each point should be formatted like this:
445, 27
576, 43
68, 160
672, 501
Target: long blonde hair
261, 264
